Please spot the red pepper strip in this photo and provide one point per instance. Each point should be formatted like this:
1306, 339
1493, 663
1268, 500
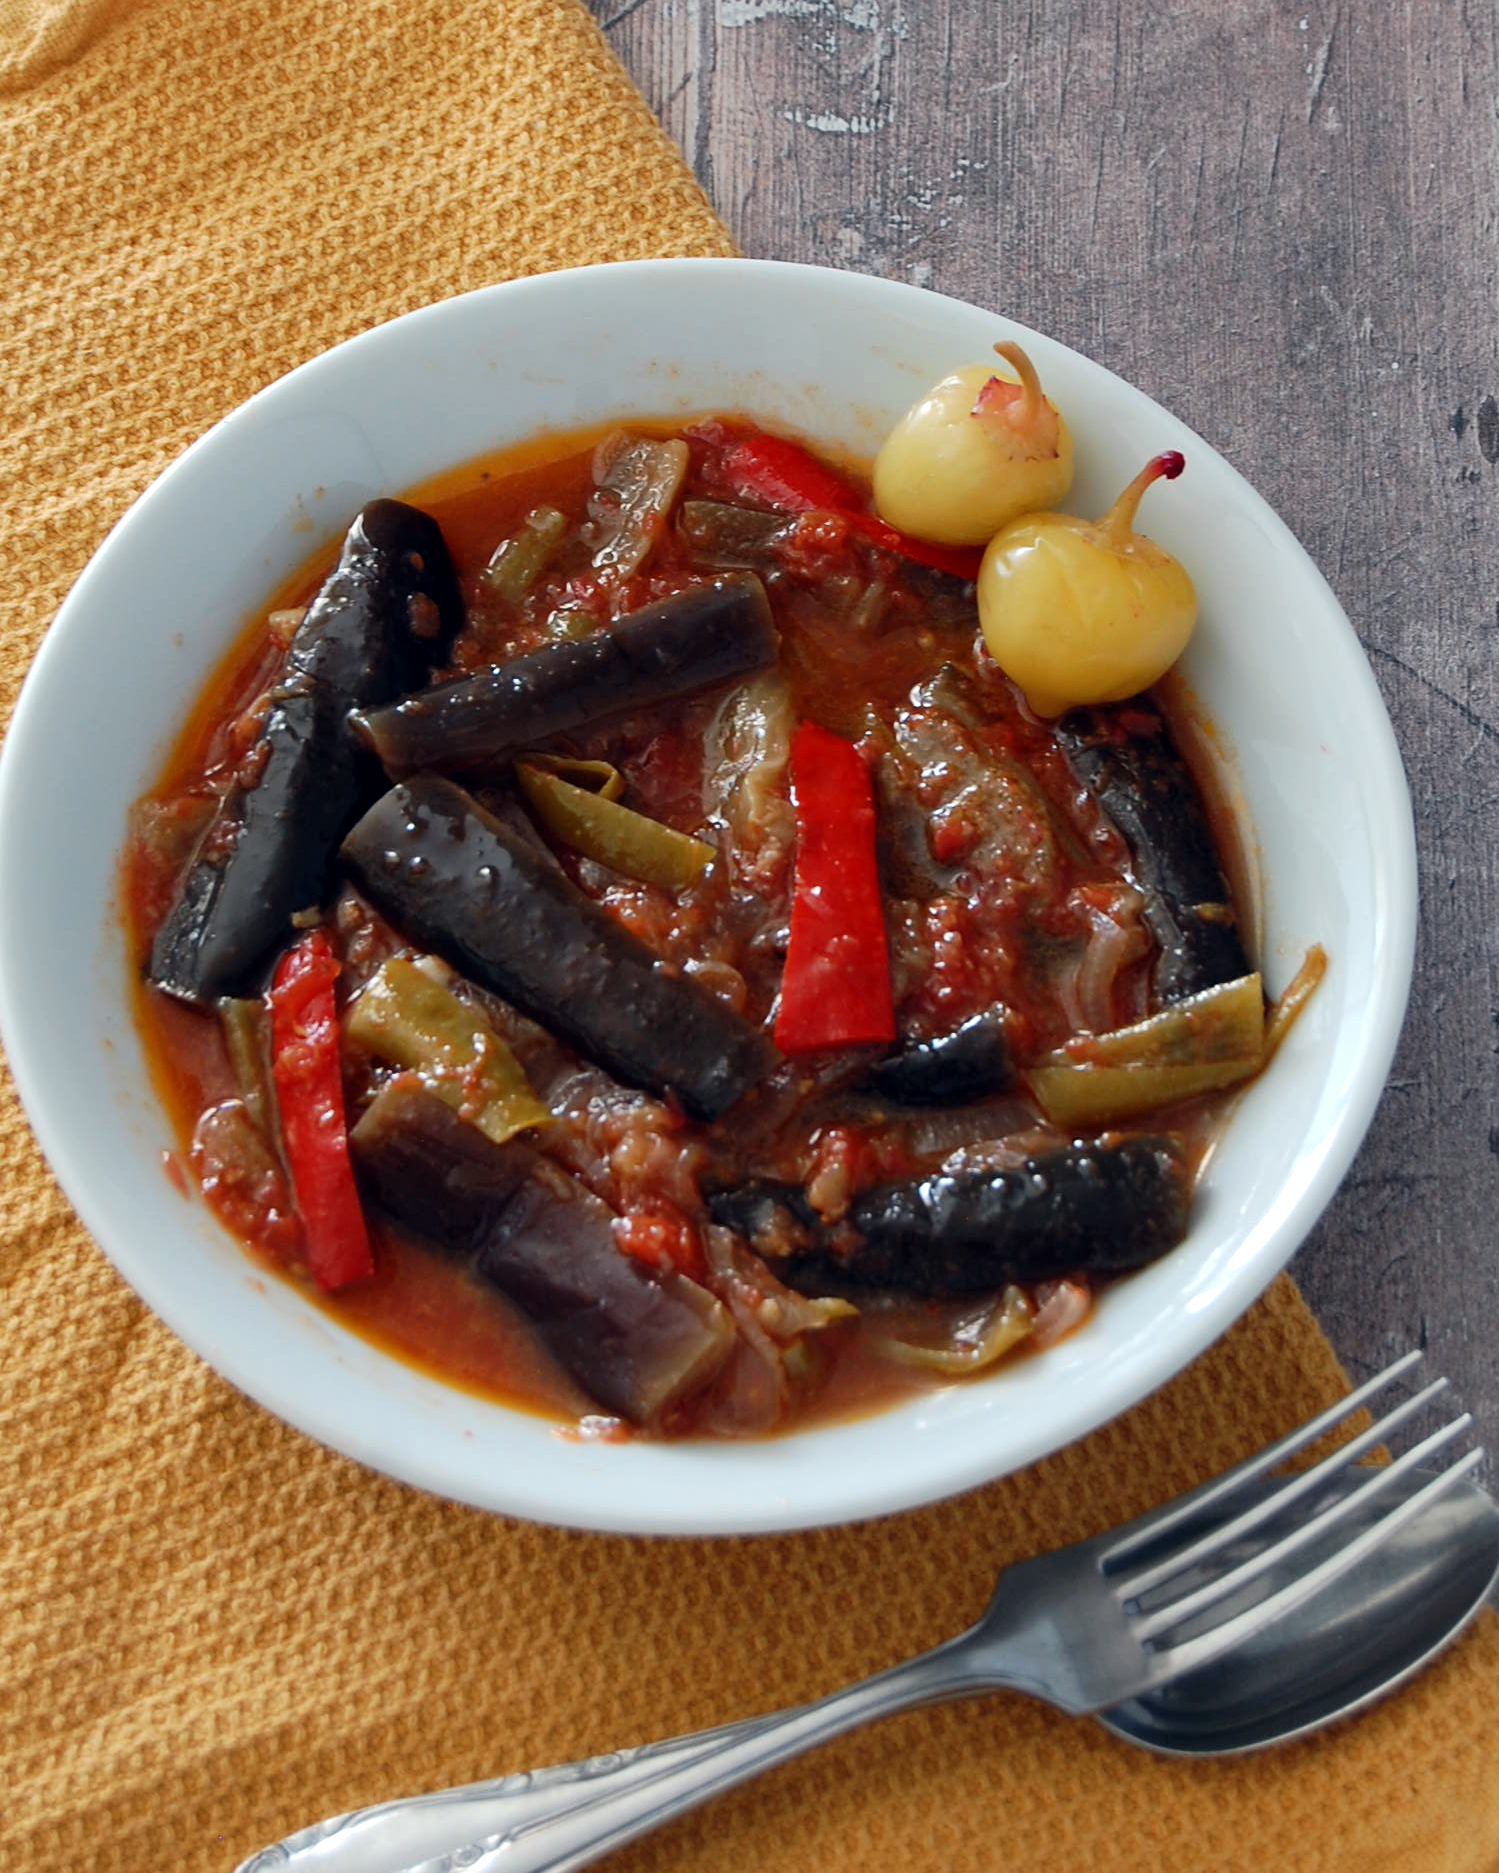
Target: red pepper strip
962, 562
835, 991
769, 468
309, 1088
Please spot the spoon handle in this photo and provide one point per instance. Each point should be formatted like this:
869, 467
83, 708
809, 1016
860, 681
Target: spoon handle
549, 1820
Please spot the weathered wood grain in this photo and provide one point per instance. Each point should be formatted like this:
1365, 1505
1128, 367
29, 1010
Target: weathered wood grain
1280, 220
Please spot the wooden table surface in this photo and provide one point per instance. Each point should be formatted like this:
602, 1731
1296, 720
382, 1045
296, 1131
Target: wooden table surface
1279, 219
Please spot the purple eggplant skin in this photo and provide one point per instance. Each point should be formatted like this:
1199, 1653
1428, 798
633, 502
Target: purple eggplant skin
387, 611
452, 878
637, 1342
971, 1062
1140, 780
1082, 1209
690, 641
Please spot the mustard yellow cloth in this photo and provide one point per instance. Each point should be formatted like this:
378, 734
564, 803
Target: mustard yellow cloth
213, 1631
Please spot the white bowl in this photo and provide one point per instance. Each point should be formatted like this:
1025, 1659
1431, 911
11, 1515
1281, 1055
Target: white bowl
1307, 743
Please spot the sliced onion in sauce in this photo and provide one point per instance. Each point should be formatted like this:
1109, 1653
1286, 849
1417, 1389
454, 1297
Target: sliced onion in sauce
1062, 1305
1297, 993
781, 1313
976, 1341
1118, 939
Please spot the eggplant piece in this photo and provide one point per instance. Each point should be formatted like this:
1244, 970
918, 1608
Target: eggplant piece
695, 639
1086, 1208
452, 878
774, 1218
937, 773
952, 1069
721, 533
388, 609
637, 1342
1142, 783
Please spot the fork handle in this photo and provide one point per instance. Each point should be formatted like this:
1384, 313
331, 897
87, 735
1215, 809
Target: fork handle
550, 1820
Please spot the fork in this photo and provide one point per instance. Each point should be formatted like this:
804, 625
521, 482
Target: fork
1083, 1628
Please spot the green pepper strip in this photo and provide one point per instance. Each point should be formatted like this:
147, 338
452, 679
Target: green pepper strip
1226, 1022
1210, 1040
615, 835
245, 1026
404, 1017
520, 562
600, 777
1074, 1095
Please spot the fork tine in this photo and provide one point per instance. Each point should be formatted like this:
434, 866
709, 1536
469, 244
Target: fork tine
1291, 1491
1148, 1528
1206, 1646
1304, 1532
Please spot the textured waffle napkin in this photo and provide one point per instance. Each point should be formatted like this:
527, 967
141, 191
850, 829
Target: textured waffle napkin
211, 1630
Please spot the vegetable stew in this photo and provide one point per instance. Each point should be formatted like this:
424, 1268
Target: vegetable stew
616, 934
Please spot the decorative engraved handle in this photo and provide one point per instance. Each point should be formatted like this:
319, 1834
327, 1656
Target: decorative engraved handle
550, 1820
